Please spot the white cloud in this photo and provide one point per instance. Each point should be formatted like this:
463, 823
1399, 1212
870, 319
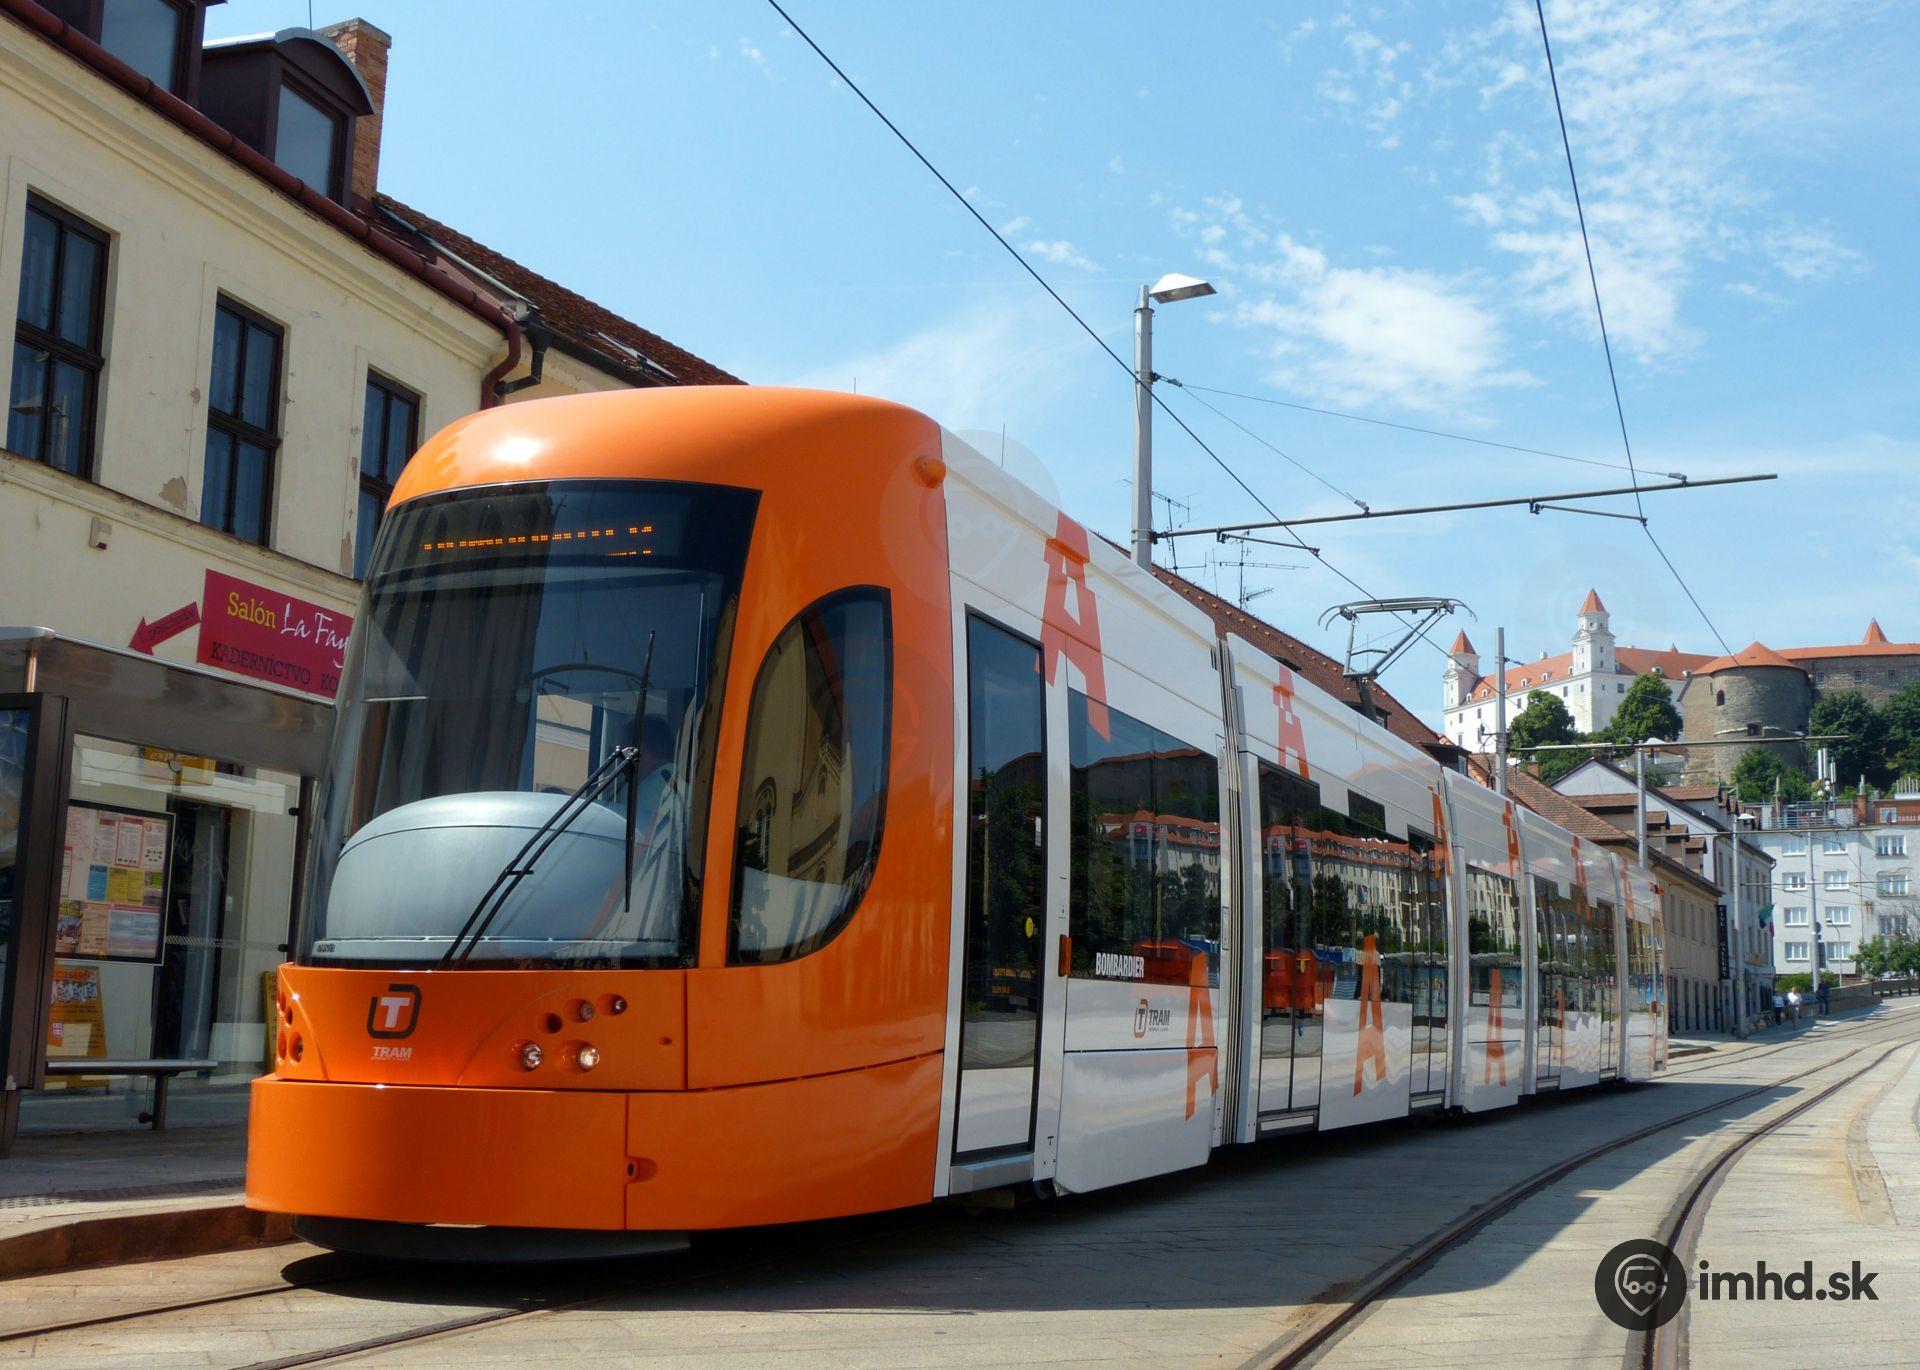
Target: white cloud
998, 362
1015, 224
1061, 253
1666, 105
1352, 334
755, 57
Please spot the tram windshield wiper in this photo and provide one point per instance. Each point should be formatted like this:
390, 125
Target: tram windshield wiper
621, 761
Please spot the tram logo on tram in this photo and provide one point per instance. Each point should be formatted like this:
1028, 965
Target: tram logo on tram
395, 1013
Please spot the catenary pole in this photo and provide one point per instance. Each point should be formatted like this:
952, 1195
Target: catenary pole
1143, 432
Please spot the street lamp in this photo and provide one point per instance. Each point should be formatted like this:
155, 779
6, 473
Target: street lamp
1166, 290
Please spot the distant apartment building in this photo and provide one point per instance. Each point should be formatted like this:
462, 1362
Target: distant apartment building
1590, 679
1843, 873
226, 343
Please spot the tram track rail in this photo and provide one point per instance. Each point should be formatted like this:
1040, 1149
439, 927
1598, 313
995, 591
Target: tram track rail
1329, 1322
1320, 1331
1664, 1348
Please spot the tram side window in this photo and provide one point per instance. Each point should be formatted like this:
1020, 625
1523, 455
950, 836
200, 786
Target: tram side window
1363, 891
1605, 971
1291, 983
813, 782
1145, 891
1493, 939
1550, 947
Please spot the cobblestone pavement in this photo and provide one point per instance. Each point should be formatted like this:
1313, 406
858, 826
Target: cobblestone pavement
1212, 1266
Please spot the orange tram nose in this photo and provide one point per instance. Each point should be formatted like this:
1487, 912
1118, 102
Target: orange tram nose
555, 1104
628, 906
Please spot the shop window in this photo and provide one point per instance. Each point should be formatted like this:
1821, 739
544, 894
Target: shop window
1144, 901
389, 431
174, 907
243, 421
57, 359
813, 783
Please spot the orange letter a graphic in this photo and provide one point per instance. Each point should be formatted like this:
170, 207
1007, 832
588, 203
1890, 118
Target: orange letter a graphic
1203, 1061
1496, 1043
1372, 1045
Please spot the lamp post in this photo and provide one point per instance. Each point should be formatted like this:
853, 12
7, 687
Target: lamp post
1166, 290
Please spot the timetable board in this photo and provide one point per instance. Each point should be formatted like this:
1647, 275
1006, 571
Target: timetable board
113, 884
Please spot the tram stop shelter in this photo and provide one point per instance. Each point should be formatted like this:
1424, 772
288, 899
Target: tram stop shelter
151, 843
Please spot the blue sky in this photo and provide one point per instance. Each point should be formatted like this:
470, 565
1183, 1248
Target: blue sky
1379, 192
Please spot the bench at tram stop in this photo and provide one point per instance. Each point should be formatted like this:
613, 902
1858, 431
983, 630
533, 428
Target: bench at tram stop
161, 1071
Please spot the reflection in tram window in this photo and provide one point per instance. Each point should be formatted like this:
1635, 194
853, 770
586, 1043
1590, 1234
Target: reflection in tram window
1005, 903
1362, 897
813, 779
1145, 898
1428, 961
1494, 949
1561, 968
1605, 985
1292, 988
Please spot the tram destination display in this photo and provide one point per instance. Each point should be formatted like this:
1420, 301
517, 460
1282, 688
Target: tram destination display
113, 883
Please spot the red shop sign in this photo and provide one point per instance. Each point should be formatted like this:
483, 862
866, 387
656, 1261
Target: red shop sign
253, 631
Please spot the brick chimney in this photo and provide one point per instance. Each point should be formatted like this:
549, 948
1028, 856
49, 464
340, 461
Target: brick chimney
366, 47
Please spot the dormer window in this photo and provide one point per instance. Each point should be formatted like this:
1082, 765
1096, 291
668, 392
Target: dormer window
306, 141
160, 39
148, 35
291, 95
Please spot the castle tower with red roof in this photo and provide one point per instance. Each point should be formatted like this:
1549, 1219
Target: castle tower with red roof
1591, 678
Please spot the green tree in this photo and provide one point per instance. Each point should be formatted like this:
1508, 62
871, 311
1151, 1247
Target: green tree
1863, 751
1544, 721
1900, 716
1755, 776
1646, 711
1894, 954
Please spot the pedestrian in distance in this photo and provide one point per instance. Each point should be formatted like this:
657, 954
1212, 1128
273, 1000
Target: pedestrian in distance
1793, 1004
1779, 1007
1826, 998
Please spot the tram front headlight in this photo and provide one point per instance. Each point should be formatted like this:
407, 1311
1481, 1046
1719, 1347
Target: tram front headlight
587, 1057
530, 1055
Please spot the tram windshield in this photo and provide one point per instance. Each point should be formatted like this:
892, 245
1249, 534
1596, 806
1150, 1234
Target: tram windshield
509, 643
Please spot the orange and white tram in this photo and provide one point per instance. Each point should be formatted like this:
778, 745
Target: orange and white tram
753, 805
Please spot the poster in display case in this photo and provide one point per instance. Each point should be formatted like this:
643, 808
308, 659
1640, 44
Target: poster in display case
113, 884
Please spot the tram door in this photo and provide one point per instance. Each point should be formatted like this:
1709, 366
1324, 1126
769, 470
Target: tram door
1002, 974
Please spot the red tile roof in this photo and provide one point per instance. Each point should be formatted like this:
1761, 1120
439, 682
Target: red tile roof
1591, 604
1310, 662
1874, 637
1460, 644
589, 325
1671, 663
1563, 809
1548, 802
1880, 648
1753, 654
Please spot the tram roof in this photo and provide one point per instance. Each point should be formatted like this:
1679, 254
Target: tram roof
728, 434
